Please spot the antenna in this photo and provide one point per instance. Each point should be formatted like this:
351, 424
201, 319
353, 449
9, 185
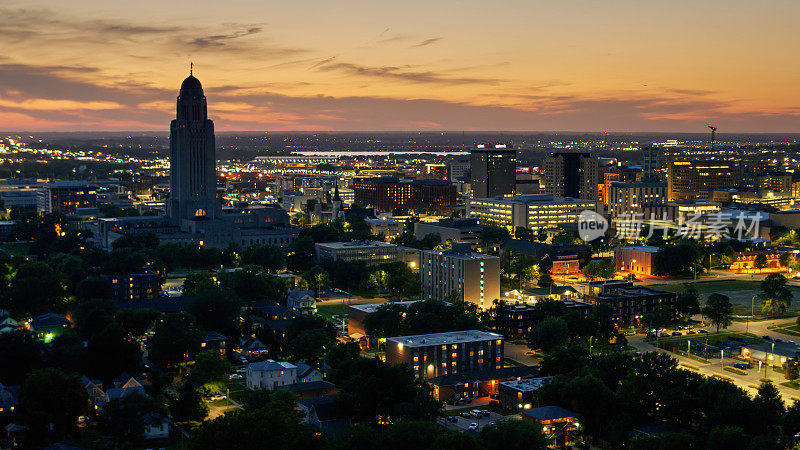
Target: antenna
191, 68
713, 132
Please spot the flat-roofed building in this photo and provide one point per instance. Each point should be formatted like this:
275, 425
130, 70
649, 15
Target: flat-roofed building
520, 394
357, 316
432, 355
570, 174
387, 228
534, 211
371, 252
474, 276
635, 258
690, 179
631, 198
66, 197
461, 230
493, 168
630, 303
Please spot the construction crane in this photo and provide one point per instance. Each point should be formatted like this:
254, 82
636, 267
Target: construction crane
713, 132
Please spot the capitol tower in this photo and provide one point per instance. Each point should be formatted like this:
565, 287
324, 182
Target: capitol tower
192, 157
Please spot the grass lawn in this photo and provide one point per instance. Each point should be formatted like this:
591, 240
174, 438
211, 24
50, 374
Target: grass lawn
791, 328
791, 384
739, 291
508, 362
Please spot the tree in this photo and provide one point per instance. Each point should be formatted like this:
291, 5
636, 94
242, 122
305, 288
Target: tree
791, 369
197, 282
189, 405
674, 260
92, 316
523, 233
268, 257
34, 289
110, 353
124, 419
137, 321
93, 287
512, 435
318, 279
216, 310
719, 310
50, 402
688, 301
21, 347
760, 261
548, 334
176, 337
209, 366
775, 296
491, 236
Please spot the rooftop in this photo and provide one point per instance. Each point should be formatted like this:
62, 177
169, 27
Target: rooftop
641, 248
372, 307
354, 244
549, 413
451, 337
270, 365
527, 384
532, 198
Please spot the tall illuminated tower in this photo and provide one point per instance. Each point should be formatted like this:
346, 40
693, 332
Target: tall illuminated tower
192, 157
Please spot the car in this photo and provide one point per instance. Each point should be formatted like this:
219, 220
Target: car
235, 376
241, 370
217, 397
465, 415
742, 366
651, 335
766, 337
453, 419
630, 333
473, 426
486, 413
702, 331
476, 413
677, 333
792, 342
663, 334
778, 340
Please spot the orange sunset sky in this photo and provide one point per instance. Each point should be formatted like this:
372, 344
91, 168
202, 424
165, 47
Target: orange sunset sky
533, 65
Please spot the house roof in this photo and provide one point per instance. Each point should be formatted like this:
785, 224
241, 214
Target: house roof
269, 308
303, 369
485, 375
324, 407
549, 413
213, 336
250, 342
160, 304
120, 393
270, 365
50, 320
295, 295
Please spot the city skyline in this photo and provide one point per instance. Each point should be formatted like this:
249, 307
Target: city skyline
526, 66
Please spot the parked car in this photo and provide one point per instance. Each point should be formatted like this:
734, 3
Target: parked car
677, 333
743, 366
465, 415
473, 426
778, 340
663, 334
241, 370
486, 413
476, 413
651, 335
766, 337
235, 376
218, 397
690, 332
792, 342
453, 419
702, 331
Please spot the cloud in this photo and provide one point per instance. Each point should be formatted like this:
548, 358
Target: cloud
402, 74
218, 40
427, 42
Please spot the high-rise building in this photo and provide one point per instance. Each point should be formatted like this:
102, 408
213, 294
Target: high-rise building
454, 352
474, 276
66, 197
193, 185
535, 211
633, 197
569, 174
689, 179
493, 168
388, 193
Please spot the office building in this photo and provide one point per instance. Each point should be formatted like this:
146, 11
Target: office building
631, 198
459, 169
516, 319
570, 175
535, 211
371, 252
387, 228
630, 303
455, 230
688, 179
144, 285
474, 276
388, 193
635, 259
493, 168
66, 197
455, 352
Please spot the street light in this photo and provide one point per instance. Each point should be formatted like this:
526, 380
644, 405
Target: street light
747, 322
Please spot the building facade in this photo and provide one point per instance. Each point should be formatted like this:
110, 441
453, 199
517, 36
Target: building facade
535, 211
388, 193
570, 175
371, 252
474, 276
433, 355
493, 168
688, 179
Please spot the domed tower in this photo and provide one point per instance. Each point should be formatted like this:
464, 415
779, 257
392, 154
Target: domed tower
192, 159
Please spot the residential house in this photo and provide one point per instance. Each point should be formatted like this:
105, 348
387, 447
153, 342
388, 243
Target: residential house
214, 341
301, 302
252, 348
323, 413
94, 388
9, 398
270, 374
558, 424
307, 373
49, 325
156, 426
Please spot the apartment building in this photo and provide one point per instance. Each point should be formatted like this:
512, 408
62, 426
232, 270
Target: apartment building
456, 352
475, 276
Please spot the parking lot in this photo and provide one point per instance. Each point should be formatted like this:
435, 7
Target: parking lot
458, 423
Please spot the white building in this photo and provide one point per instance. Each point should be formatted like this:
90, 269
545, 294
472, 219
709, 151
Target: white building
475, 276
270, 374
534, 211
